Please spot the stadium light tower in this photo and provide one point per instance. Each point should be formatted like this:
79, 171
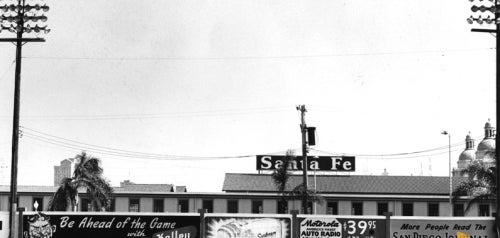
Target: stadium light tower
20, 17
490, 14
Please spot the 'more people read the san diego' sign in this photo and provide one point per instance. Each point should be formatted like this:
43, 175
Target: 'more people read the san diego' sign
319, 163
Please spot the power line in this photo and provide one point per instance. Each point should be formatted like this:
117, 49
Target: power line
160, 115
76, 145
254, 57
72, 144
7, 70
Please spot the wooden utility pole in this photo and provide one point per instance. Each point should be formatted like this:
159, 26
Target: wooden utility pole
303, 130
21, 14
493, 8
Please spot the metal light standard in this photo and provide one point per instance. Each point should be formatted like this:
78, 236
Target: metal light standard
449, 169
18, 18
492, 11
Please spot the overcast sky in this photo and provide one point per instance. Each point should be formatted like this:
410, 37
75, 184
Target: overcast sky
156, 89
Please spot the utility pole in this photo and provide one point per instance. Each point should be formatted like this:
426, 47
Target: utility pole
493, 9
18, 15
303, 130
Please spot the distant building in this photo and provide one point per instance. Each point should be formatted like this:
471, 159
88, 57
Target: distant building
485, 151
65, 170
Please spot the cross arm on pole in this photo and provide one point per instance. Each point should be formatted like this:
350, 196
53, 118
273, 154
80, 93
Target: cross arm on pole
22, 39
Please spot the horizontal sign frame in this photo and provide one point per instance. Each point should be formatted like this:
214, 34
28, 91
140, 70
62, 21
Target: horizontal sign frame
317, 163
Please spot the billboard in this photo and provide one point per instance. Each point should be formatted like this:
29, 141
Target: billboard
4, 224
465, 227
342, 227
247, 227
109, 225
318, 163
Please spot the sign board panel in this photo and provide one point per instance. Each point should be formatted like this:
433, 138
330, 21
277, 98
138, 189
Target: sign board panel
318, 163
470, 227
4, 224
245, 227
109, 225
342, 227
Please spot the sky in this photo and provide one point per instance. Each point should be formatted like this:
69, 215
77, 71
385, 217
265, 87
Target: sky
184, 91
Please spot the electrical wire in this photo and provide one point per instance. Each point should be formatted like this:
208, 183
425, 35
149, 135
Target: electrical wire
72, 144
76, 145
227, 112
253, 57
7, 70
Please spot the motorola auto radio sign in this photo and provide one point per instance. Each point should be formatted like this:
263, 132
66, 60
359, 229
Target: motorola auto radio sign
318, 163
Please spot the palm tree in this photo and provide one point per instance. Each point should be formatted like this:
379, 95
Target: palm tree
87, 175
481, 185
281, 176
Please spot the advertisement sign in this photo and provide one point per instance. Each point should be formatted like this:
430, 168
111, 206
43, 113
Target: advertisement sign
318, 163
247, 227
4, 224
339, 227
443, 228
108, 225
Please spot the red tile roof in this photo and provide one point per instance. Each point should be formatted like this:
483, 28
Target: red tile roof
424, 185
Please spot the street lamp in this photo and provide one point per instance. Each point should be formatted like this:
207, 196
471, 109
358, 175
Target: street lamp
18, 18
449, 169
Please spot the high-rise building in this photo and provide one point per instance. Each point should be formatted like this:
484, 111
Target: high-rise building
65, 170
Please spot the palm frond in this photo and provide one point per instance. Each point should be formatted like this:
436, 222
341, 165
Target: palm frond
87, 174
299, 192
99, 190
281, 175
481, 185
64, 196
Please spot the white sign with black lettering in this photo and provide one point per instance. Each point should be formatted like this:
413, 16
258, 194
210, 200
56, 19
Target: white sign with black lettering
320, 228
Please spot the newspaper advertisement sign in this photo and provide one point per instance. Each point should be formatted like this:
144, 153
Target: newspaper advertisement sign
248, 227
443, 228
342, 227
109, 225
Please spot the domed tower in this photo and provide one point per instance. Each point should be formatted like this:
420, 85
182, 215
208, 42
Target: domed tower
486, 148
466, 157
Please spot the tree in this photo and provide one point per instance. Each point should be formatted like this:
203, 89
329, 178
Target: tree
87, 175
481, 185
281, 177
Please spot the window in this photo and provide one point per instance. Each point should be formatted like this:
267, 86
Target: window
111, 207
158, 205
357, 208
309, 208
257, 206
332, 208
282, 206
86, 205
484, 210
458, 210
133, 205
183, 205
208, 205
39, 203
407, 209
232, 206
382, 208
433, 209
